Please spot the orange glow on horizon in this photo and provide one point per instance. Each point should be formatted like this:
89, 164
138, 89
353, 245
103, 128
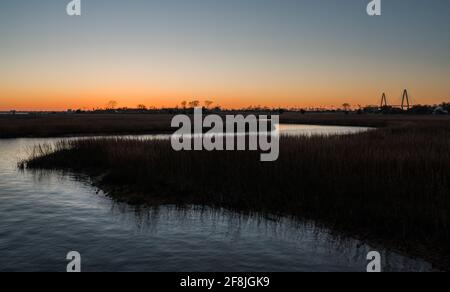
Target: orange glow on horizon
56, 100
235, 54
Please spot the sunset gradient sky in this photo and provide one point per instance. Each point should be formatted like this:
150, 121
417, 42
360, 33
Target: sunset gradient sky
235, 52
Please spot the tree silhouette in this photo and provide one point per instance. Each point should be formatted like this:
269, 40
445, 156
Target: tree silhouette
208, 103
194, 103
346, 107
111, 105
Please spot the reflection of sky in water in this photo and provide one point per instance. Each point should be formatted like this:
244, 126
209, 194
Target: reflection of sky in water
311, 130
43, 215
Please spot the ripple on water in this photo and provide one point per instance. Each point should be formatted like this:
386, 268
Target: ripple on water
45, 215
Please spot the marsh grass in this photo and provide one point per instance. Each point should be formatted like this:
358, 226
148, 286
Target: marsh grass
73, 125
390, 185
64, 125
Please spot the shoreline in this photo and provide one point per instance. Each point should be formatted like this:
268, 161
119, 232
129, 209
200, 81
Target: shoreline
89, 125
126, 195
373, 189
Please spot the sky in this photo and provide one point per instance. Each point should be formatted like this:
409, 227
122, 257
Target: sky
237, 53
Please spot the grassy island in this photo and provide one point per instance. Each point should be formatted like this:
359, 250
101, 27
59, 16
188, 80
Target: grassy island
390, 185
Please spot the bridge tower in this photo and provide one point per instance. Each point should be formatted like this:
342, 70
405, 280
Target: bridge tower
383, 101
405, 100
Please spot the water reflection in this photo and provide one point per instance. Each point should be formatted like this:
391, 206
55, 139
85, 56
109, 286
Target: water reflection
43, 215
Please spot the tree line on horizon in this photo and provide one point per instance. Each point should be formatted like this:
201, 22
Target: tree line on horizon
209, 105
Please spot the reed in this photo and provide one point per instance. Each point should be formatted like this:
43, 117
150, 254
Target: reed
64, 125
390, 185
89, 124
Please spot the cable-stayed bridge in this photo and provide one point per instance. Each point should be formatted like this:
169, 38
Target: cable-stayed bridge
405, 101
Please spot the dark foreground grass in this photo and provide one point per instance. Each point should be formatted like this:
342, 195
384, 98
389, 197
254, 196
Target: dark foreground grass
390, 185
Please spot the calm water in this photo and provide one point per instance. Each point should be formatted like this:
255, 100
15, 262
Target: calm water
44, 215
